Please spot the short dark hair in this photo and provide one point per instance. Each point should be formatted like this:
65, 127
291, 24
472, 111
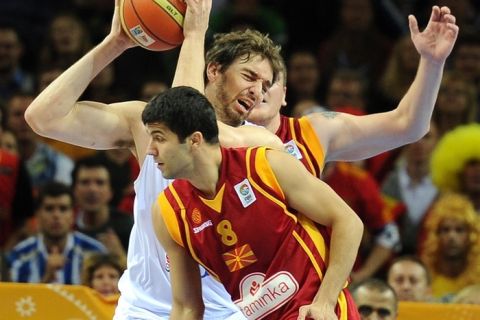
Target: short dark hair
91, 162
412, 259
376, 285
53, 189
183, 110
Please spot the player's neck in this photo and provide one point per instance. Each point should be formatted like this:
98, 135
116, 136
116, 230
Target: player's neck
206, 170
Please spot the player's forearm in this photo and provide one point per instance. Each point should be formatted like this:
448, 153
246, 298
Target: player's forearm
182, 312
191, 63
346, 237
59, 98
415, 109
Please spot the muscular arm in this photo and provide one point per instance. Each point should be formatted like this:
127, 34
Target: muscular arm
191, 60
351, 138
316, 200
184, 274
56, 112
247, 136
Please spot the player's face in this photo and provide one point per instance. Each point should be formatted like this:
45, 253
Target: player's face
234, 92
409, 280
273, 100
171, 155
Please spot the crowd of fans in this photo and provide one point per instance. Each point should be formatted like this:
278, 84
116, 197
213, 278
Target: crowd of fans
66, 212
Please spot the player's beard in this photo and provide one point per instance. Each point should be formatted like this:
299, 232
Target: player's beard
223, 108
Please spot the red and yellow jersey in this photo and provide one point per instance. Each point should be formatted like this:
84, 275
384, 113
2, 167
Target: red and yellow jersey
301, 141
269, 258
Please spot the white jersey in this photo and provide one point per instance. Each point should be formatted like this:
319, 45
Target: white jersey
145, 285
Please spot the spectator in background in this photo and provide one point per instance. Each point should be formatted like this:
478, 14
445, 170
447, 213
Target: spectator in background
249, 14
95, 217
123, 170
16, 197
361, 192
356, 43
8, 142
399, 73
375, 300
101, 272
456, 103
455, 164
347, 89
410, 279
55, 254
12, 77
151, 88
411, 184
466, 58
451, 250
67, 41
303, 77
43, 163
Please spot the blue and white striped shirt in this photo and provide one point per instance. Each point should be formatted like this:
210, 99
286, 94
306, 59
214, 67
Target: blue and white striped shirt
28, 259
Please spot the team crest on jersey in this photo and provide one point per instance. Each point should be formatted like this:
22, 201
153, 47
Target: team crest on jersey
259, 296
196, 216
245, 193
291, 148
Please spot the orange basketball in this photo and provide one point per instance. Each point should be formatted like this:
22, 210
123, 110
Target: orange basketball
153, 24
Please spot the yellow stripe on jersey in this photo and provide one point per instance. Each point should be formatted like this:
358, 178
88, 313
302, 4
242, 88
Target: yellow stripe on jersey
342, 304
261, 162
302, 148
170, 219
265, 172
312, 141
309, 254
216, 203
315, 235
187, 230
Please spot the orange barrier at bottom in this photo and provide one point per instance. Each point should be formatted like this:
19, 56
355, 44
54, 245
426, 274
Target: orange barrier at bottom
52, 301
438, 311
66, 302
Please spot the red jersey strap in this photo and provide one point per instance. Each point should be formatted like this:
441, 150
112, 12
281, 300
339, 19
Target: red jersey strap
300, 140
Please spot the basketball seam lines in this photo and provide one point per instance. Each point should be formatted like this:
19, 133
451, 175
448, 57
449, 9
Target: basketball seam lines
144, 26
169, 12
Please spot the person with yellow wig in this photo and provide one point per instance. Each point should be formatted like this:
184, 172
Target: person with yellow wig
451, 250
455, 163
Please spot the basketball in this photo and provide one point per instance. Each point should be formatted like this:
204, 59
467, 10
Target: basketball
153, 24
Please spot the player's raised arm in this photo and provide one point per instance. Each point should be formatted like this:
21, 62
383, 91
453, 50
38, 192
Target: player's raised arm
348, 137
57, 114
316, 200
191, 61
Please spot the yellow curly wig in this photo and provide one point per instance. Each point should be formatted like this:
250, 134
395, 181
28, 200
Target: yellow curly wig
452, 152
458, 207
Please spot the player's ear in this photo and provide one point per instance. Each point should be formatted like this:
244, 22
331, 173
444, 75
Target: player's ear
213, 71
196, 139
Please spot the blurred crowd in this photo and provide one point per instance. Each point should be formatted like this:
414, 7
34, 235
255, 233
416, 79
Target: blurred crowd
66, 212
